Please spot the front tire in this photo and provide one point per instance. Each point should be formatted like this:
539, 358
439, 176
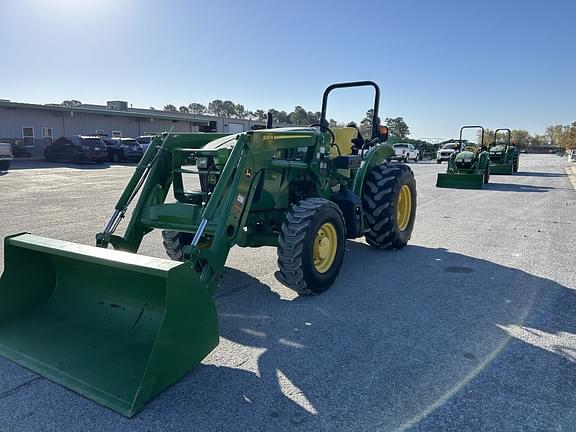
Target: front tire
389, 203
311, 246
48, 156
174, 242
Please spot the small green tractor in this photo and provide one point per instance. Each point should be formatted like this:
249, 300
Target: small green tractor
469, 168
118, 327
504, 157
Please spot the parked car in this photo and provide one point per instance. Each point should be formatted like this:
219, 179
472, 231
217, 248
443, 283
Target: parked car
123, 149
446, 151
405, 152
19, 150
5, 156
76, 148
145, 141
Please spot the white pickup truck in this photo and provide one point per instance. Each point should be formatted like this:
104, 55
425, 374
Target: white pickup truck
5, 156
405, 152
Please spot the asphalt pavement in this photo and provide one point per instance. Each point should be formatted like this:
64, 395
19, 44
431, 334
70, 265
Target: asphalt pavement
471, 327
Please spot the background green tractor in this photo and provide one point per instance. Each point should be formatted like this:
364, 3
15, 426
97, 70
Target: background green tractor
468, 169
504, 156
118, 327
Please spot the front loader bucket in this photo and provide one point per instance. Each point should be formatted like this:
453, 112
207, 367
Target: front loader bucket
460, 181
501, 169
113, 326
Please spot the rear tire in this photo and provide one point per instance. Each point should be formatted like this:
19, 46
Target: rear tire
389, 219
174, 242
48, 156
311, 246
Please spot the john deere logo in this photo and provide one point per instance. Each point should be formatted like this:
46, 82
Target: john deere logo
248, 173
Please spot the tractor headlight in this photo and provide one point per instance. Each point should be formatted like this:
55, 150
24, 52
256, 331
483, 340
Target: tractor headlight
202, 162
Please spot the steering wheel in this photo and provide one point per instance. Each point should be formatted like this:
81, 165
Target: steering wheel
327, 128
359, 141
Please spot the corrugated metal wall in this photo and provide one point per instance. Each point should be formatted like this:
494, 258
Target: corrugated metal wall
12, 120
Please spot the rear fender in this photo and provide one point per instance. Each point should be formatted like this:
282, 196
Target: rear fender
375, 156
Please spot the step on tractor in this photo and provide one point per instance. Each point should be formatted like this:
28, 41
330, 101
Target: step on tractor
504, 157
118, 327
469, 168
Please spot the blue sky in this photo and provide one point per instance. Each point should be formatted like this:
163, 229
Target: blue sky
440, 64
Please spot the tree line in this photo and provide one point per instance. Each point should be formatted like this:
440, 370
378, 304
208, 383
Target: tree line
556, 135
299, 116
230, 109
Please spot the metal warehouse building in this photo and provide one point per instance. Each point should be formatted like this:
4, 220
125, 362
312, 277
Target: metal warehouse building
37, 125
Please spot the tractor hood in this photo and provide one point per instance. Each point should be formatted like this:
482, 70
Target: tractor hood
229, 141
500, 148
465, 156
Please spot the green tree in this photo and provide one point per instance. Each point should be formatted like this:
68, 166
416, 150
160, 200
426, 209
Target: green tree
197, 108
283, 117
538, 140
240, 111
71, 103
397, 127
488, 137
228, 108
260, 115
313, 118
184, 109
299, 116
568, 137
520, 137
366, 124
170, 108
215, 107
554, 133
279, 116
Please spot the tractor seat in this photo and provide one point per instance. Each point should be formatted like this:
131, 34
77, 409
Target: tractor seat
343, 139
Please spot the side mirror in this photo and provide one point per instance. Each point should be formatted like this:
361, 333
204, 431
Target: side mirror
383, 132
269, 120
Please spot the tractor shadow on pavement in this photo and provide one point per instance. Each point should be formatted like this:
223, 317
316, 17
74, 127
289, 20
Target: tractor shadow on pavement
22, 164
512, 187
539, 174
416, 339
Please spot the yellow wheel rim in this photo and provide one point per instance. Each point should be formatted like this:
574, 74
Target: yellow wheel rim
403, 207
325, 246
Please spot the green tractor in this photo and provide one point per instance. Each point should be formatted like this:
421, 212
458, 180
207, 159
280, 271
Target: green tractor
118, 327
469, 168
504, 157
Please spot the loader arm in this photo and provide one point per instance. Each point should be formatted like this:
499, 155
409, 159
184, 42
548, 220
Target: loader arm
219, 222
